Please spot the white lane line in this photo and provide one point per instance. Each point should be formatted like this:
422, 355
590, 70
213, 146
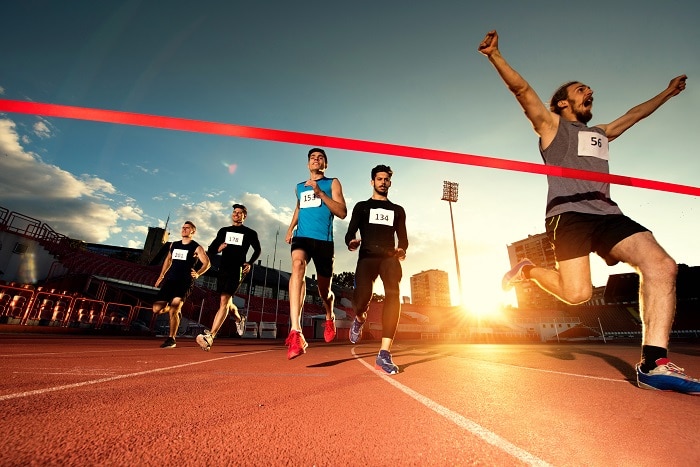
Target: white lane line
44, 354
461, 421
36, 392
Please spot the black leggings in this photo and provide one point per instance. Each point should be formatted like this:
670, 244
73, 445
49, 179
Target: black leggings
389, 270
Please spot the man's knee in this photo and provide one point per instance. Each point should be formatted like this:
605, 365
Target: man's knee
664, 268
577, 295
298, 265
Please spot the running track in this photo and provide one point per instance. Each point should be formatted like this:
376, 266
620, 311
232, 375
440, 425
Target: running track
124, 401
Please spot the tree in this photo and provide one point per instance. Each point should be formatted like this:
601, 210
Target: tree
344, 280
377, 298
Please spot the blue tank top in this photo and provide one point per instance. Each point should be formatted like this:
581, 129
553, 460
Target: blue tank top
315, 219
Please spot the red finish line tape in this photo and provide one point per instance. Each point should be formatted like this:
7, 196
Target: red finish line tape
308, 139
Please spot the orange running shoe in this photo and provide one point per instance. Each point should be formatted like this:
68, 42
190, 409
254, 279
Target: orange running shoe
329, 332
296, 344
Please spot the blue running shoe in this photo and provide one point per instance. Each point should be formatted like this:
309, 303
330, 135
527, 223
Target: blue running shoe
515, 275
667, 377
356, 331
385, 364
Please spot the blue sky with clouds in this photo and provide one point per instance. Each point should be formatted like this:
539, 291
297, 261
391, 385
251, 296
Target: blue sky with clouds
386, 71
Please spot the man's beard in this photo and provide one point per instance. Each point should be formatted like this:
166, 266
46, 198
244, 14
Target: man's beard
585, 116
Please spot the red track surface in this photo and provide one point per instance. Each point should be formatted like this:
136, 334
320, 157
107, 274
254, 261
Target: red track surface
124, 401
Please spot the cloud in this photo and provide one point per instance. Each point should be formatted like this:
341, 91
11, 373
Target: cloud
42, 129
77, 206
130, 213
148, 171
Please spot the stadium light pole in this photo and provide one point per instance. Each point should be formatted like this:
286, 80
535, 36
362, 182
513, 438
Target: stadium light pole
450, 191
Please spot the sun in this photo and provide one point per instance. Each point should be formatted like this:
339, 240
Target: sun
482, 295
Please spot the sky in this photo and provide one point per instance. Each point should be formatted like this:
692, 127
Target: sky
405, 73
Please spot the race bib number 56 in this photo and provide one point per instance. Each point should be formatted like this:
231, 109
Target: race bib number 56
592, 144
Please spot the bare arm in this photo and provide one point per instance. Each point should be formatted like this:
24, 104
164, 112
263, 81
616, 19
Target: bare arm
293, 224
166, 265
204, 258
543, 121
643, 110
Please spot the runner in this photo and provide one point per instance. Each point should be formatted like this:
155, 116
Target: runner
232, 243
381, 223
319, 200
581, 217
177, 278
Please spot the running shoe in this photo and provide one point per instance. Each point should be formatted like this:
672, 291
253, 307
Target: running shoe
667, 377
205, 340
296, 344
385, 364
515, 275
356, 331
168, 344
240, 326
329, 332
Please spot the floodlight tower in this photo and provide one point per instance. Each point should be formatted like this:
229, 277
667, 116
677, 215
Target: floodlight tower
450, 191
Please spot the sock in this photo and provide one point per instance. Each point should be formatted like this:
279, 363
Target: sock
526, 271
650, 354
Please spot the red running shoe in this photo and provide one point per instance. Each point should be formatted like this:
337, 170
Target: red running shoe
329, 332
296, 344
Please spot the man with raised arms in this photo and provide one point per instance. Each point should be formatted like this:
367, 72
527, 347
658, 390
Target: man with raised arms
581, 218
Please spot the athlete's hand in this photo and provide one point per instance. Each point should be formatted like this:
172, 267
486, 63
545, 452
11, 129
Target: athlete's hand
354, 243
222, 246
677, 85
312, 183
288, 237
246, 268
490, 43
401, 254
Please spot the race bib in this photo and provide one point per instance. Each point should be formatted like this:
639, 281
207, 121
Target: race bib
381, 216
592, 144
308, 199
179, 255
234, 238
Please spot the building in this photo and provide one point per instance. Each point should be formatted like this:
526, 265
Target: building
538, 249
157, 237
430, 288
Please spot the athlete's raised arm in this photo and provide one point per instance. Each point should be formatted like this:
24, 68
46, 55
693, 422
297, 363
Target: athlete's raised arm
543, 121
